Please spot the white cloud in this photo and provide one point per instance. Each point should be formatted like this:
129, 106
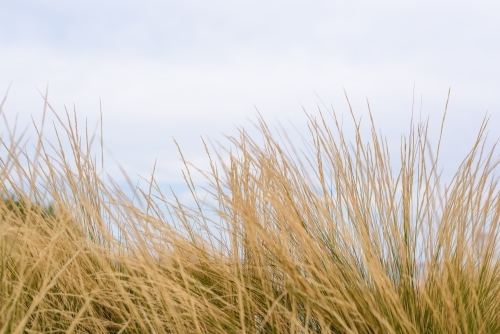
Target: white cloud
188, 68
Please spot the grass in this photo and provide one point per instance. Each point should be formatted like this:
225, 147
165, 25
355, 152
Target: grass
352, 247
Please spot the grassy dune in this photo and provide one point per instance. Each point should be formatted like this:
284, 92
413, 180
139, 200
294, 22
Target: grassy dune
353, 247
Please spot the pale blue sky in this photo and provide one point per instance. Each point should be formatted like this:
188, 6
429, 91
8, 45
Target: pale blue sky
182, 69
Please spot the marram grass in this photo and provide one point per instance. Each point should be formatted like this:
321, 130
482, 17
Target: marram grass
351, 247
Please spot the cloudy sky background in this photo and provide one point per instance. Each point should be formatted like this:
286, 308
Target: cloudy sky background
186, 69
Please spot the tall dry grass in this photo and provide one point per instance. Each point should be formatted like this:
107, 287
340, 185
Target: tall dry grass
352, 247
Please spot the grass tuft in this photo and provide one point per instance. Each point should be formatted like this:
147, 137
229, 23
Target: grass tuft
337, 240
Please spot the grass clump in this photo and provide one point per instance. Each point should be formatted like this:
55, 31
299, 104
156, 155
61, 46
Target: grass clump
351, 247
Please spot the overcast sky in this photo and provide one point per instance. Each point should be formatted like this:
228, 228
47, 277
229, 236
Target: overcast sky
186, 69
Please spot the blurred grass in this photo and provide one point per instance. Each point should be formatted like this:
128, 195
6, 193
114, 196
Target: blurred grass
353, 247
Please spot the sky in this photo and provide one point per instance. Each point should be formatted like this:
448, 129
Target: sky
184, 69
